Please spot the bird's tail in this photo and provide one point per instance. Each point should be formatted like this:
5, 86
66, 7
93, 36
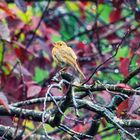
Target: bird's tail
79, 70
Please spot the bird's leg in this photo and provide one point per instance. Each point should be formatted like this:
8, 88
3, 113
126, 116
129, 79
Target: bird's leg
74, 103
63, 69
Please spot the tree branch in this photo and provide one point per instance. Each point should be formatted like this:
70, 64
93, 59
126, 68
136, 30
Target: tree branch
108, 87
131, 75
85, 104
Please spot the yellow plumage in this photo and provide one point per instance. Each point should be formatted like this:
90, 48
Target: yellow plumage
65, 56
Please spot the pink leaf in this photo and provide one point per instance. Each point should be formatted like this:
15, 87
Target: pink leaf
4, 31
134, 103
134, 116
33, 89
21, 5
98, 137
125, 86
105, 96
79, 128
23, 70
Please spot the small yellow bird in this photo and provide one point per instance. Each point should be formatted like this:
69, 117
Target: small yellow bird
65, 56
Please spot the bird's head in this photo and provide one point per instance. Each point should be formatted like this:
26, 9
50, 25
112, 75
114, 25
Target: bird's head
59, 44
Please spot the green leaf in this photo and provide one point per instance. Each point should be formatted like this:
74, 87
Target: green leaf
1, 53
72, 5
40, 74
56, 38
110, 137
104, 11
25, 17
134, 63
122, 52
113, 77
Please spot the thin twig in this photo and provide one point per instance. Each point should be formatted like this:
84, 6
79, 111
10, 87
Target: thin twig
88, 31
106, 129
97, 30
59, 85
116, 51
31, 133
24, 97
42, 17
73, 133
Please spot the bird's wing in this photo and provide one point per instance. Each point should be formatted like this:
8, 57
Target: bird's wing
69, 51
57, 56
69, 57
72, 61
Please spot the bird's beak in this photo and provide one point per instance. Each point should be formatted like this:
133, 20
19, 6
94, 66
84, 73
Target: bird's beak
53, 44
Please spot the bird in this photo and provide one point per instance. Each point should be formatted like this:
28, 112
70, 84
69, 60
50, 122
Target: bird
65, 56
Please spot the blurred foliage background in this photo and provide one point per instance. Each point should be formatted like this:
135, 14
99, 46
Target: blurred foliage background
92, 28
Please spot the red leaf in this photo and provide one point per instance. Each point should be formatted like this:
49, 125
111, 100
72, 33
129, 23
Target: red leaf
82, 10
22, 53
124, 65
81, 46
122, 107
12, 86
104, 122
7, 10
4, 101
101, 1
131, 104
84, 3
113, 39
84, 48
115, 15
29, 3
117, 3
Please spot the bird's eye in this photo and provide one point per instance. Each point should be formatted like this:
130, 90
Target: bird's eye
60, 44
